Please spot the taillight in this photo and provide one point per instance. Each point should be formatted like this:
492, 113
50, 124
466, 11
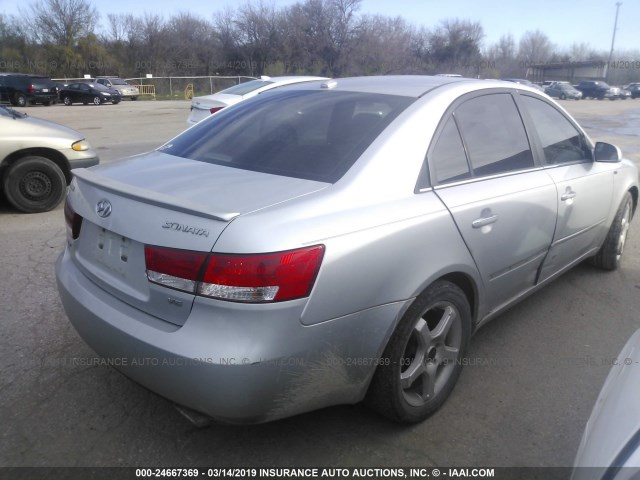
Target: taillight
270, 277
215, 109
179, 269
30, 89
73, 221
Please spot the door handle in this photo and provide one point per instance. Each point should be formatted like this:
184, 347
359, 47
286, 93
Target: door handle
481, 222
568, 195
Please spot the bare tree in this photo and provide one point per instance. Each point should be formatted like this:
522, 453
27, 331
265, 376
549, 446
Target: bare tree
580, 52
382, 45
192, 45
455, 44
506, 48
535, 48
63, 22
306, 37
258, 28
121, 27
502, 60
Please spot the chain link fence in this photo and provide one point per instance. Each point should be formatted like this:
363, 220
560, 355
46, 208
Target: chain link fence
184, 87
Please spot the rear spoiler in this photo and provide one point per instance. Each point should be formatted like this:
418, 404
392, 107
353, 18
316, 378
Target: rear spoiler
150, 197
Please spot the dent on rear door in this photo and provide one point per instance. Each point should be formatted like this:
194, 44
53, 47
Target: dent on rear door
507, 224
504, 208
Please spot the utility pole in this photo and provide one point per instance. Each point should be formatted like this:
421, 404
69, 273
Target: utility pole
613, 38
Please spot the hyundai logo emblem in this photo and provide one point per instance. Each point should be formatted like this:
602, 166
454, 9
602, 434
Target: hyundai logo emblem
103, 208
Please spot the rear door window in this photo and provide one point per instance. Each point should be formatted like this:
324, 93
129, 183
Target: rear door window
448, 159
494, 135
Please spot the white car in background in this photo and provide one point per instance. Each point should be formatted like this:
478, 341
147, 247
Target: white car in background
202, 107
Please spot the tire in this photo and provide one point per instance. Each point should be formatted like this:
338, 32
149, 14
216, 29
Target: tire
96, 100
563, 96
21, 100
423, 359
34, 184
609, 255
67, 101
46, 103
115, 102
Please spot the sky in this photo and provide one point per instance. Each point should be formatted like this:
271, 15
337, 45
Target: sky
565, 22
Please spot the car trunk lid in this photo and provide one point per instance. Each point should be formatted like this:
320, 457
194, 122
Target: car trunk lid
220, 100
162, 200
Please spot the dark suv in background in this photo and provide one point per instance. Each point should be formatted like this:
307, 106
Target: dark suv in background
21, 89
594, 89
634, 88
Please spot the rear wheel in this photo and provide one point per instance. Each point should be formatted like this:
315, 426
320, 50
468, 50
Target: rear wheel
67, 100
115, 102
96, 100
34, 184
422, 361
21, 100
563, 96
609, 255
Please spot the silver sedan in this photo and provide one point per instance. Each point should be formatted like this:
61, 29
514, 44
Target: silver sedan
335, 241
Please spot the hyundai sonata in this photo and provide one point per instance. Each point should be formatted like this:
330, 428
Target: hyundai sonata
335, 241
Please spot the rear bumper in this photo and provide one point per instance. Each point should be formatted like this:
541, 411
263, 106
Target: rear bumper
233, 362
44, 97
197, 114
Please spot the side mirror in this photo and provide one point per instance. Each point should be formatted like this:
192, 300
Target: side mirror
605, 152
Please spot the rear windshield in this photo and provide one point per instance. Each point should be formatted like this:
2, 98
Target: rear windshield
315, 135
99, 87
244, 88
42, 82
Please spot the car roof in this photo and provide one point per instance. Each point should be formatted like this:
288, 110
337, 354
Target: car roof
406, 85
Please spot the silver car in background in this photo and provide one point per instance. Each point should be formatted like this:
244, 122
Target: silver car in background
335, 241
125, 89
204, 106
563, 90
